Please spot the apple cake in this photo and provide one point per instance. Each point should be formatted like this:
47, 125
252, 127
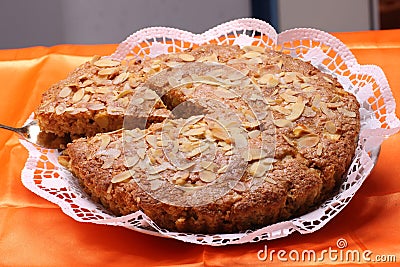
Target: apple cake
235, 139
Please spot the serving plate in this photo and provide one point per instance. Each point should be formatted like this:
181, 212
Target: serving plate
44, 176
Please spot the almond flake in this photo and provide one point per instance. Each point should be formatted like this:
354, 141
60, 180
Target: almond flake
288, 98
121, 78
95, 106
155, 184
327, 79
282, 123
137, 101
105, 62
287, 139
131, 161
78, 95
186, 57
208, 165
121, 177
300, 130
334, 137
195, 131
251, 54
66, 91
330, 127
297, 110
281, 110
254, 134
207, 176
197, 151
141, 152
257, 169
307, 141
152, 140
324, 108
224, 93
105, 140
347, 113
107, 71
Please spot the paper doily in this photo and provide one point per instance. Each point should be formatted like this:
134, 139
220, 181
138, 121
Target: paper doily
44, 176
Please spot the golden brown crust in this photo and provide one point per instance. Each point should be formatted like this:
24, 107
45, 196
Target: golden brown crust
311, 121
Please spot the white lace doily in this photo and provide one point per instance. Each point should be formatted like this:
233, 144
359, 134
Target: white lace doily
44, 176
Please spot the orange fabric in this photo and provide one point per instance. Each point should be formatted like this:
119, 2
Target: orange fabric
36, 232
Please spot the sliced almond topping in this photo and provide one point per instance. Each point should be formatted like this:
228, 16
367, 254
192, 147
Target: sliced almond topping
254, 154
300, 130
95, 106
105, 140
287, 139
185, 166
125, 93
219, 132
107, 71
207, 176
158, 169
330, 127
251, 54
347, 113
197, 151
224, 93
78, 95
211, 58
156, 184
307, 141
316, 101
334, 137
334, 104
240, 187
105, 62
297, 110
186, 57
141, 152
195, 131
131, 161
251, 124
281, 123
121, 177
254, 134
249, 48
257, 169
209, 166
137, 101
150, 95
108, 163
324, 108
288, 98
121, 78
281, 110
152, 140
66, 91
309, 112
328, 80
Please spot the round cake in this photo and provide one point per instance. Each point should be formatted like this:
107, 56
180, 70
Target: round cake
249, 137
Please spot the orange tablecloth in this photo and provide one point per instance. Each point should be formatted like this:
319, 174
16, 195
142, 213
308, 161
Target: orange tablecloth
36, 232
